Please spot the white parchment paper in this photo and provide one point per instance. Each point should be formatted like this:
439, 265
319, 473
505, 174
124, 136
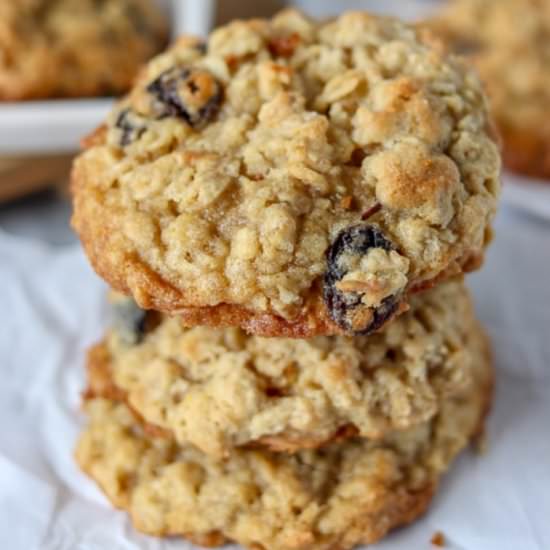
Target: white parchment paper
52, 308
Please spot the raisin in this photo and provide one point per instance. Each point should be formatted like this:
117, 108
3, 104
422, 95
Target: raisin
346, 308
191, 94
357, 157
131, 126
129, 321
201, 47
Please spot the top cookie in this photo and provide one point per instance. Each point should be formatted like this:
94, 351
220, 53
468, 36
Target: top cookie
507, 40
291, 177
75, 47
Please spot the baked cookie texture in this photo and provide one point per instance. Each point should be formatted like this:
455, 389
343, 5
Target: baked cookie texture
221, 389
291, 177
508, 42
73, 48
345, 494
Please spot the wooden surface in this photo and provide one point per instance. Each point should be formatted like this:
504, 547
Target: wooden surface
21, 176
227, 10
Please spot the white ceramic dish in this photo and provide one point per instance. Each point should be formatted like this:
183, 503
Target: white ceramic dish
44, 127
405, 9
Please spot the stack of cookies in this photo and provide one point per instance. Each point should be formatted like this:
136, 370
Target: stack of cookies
285, 213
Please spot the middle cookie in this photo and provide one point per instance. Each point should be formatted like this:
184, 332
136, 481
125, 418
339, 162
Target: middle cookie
220, 389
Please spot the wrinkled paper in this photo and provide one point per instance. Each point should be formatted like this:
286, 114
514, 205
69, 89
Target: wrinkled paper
53, 307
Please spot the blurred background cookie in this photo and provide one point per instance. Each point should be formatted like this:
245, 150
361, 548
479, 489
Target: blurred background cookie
508, 41
76, 48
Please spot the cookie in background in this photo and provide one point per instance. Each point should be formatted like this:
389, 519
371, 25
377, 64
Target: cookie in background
76, 48
507, 40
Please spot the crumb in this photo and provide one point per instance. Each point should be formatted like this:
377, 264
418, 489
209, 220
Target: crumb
438, 539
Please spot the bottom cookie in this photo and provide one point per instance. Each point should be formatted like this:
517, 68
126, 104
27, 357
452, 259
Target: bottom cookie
336, 497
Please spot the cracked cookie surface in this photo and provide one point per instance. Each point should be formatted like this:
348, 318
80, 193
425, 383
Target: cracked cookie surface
508, 42
345, 494
219, 389
291, 177
75, 48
